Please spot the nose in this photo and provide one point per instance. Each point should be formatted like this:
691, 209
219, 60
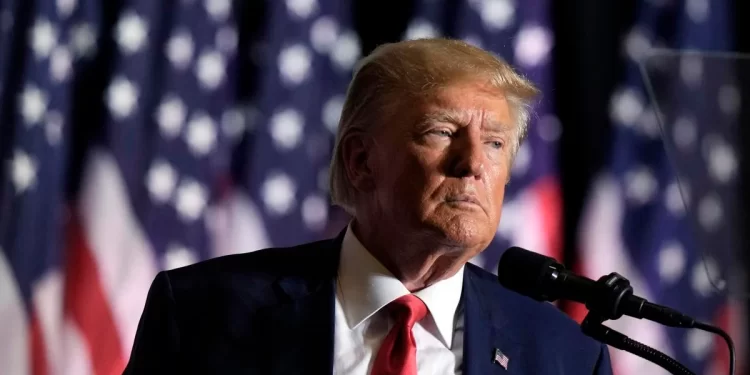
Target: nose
469, 158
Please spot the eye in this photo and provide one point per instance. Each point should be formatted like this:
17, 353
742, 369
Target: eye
442, 132
496, 144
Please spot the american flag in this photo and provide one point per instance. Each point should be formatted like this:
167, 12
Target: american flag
519, 32
200, 128
501, 359
652, 213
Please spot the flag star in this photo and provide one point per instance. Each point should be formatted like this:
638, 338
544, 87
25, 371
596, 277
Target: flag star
178, 256
43, 38
698, 10
65, 7
218, 9
671, 262
722, 163
523, 160
131, 33
648, 123
421, 29
180, 49
729, 99
640, 185
233, 123
684, 132
675, 199
294, 64
626, 106
61, 63
346, 51
301, 9
33, 104
122, 97
170, 116
160, 181
706, 277
286, 128
82, 39
314, 212
549, 128
532, 45
637, 44
53, 127
201, 134
710, 212
210, 69
323, 34
332, 112
473, 39
190, 200
691, 70
226, 39
497, 14
698, 343
23, 171
278, 193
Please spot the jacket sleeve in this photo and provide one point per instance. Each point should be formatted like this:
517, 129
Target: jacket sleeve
157, 341
603, 364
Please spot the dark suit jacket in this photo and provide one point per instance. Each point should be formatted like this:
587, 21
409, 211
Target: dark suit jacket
272, 312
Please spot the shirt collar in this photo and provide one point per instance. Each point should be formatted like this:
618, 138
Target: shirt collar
367, 286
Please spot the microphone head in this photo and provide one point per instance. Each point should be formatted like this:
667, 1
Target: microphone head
526, 272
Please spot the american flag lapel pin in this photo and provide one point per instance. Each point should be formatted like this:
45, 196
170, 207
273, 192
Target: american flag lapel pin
501, 359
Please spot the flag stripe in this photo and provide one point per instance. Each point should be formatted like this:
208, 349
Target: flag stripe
122, 259
90, 308
15, 328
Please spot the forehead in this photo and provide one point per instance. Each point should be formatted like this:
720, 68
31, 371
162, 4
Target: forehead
467, 103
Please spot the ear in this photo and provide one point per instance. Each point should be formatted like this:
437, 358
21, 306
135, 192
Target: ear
357, 154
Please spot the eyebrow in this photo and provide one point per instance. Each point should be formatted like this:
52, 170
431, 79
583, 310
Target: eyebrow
459, 118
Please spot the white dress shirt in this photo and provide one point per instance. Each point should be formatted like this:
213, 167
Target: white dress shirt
364, 287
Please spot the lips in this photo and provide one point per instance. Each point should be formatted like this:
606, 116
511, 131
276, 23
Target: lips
465, 198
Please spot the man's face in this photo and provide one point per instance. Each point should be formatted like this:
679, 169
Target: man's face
441, 166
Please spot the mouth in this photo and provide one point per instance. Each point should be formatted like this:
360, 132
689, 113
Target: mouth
463, 199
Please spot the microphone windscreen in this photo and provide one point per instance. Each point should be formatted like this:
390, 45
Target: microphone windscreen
525, 271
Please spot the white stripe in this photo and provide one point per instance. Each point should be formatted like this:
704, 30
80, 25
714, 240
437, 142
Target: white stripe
603, 251
76, 359
122, 253
236, 226
14, 335
48, 306
522, 223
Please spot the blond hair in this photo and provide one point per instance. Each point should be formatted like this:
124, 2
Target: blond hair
395, 72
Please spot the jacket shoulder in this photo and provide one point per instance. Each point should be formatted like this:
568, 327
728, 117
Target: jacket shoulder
541, 325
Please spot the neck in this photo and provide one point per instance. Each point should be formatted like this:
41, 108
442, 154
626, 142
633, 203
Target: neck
415, 259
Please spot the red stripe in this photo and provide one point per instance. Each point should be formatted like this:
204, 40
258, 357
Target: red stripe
86, 304
38, 351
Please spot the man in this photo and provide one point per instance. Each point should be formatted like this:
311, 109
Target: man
426, 140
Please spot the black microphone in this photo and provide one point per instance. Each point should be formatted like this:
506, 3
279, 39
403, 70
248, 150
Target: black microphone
544, 279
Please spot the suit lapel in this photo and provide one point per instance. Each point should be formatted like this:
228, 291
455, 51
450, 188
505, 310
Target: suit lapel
488, 331
299, 332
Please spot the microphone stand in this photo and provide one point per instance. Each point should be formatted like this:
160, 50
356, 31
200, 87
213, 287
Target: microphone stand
592, 326
613, 289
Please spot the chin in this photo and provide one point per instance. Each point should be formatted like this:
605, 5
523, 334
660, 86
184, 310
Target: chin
465, 231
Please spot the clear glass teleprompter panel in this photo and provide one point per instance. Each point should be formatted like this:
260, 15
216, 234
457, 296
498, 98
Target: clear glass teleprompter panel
697, 99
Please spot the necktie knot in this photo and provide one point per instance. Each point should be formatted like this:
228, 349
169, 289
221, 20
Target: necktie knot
408, 310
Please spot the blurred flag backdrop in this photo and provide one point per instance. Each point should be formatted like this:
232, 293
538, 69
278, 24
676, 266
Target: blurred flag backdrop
149, 135
636, 222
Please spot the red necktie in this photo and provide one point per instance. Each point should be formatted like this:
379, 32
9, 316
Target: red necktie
398, 352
